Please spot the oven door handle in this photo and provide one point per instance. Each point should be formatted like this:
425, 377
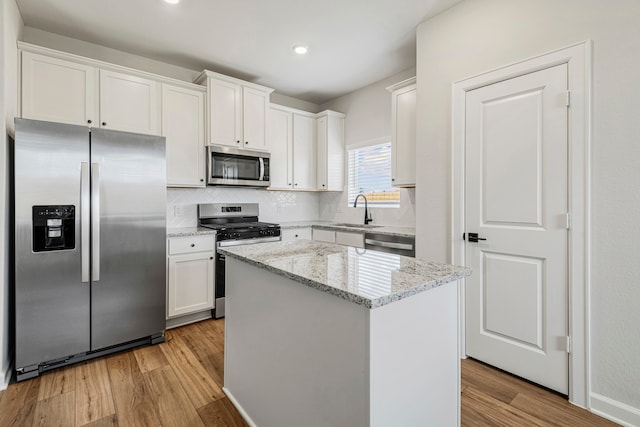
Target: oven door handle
227, 243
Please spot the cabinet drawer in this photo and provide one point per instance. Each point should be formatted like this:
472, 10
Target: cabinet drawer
183, 245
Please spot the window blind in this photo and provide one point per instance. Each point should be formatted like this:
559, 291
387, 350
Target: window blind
370, 174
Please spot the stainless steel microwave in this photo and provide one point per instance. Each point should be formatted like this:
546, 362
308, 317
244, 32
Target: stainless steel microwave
236, 167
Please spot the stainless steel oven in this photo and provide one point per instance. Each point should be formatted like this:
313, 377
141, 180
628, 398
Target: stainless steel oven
231, 166
236, 224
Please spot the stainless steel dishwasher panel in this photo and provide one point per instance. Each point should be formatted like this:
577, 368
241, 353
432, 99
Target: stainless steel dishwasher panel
394, 244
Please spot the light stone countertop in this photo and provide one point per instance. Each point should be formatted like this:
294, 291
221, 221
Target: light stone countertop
189, 231
337, 226
364, 277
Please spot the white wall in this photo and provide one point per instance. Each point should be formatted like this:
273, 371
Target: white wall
368, 113
10, 31
477, 36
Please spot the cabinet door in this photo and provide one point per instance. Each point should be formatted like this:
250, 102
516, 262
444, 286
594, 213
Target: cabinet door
289, 234
225, 113
350, 239
280, 145
321, 152
183, 126
330, 142
254, 106
191, 281
129, 103
324, 235
403, 172
57, 90
304, 153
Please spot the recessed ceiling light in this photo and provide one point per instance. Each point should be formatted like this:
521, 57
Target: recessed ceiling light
300, 49
172, 1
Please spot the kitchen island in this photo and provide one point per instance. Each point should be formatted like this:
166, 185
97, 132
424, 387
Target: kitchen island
318, 334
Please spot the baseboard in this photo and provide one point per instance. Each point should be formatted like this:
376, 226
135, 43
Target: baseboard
240, 409
189, 318
615, 411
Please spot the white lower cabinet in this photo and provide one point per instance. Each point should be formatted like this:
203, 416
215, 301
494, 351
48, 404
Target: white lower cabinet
190, 275
324, 235
350, 239
346, 238
296, 233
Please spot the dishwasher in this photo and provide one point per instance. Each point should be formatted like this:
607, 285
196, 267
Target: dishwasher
394, 244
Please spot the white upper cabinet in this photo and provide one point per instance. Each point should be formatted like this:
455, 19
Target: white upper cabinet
307, 150
225, 113
254, 118
57, 90
61, 87
304, 152
330, 151
403, 124
280, 145
183, 127
129, 103
237, 111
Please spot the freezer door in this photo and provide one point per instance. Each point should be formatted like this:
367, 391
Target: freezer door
128, 289
51, 300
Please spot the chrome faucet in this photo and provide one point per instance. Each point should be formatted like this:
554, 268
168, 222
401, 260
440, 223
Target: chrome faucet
367, 216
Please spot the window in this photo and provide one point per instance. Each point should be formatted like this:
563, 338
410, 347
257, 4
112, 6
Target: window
370, 174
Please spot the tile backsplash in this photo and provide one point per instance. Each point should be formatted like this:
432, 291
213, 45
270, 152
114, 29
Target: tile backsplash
275, 206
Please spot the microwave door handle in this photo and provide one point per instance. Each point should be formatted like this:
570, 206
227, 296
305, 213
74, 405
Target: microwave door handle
261, 169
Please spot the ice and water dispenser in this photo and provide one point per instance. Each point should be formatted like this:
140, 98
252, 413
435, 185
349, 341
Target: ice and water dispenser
53, 228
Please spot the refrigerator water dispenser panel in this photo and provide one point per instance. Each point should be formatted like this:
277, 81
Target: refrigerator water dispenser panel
54, 228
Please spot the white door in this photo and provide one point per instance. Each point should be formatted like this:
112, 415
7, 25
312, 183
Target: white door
225, 113
183, 126
129, 103
280, 142
304, 153
516, 182
255, 105
56, 90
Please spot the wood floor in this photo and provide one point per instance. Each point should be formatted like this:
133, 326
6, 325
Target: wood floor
178, 383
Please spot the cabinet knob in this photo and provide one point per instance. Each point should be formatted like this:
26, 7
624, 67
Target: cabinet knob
193, 245
323, 185
104, 123
246, 143
289, 184
89, 121
201, 180
296, 235
210, 257
296, 184
393, 179
238, 142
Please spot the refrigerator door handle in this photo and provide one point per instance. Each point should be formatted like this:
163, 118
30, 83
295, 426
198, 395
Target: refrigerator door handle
85, 200
95, 222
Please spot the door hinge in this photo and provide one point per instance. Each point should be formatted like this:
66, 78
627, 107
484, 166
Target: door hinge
568, 221
568, 98
568, 344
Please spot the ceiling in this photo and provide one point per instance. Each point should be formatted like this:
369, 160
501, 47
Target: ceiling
352, 43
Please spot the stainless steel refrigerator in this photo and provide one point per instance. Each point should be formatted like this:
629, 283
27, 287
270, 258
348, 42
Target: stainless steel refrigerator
90, 243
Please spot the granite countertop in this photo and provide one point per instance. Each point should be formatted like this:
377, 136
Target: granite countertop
189, 231
367, 278
337, 226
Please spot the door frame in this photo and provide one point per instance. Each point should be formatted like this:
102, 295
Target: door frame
578, 58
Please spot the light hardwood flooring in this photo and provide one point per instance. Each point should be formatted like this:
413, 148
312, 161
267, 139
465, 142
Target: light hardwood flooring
178, 383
